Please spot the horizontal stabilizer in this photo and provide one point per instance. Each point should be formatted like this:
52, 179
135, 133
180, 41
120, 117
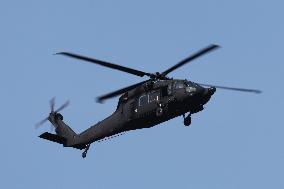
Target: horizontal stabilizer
53, 138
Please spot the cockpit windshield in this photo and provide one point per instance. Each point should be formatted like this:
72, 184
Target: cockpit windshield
191, 84
188, 83
179, 85
184, 84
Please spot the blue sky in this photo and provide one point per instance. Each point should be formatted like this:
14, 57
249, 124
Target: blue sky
236, 142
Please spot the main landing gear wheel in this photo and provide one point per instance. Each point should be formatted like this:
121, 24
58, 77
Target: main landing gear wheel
187, 120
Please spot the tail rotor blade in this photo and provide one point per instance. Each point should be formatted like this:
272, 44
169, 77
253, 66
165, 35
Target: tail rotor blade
63, 106
41, 123
52, 104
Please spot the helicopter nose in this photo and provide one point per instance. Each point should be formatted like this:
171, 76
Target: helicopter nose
207, 94
211, 91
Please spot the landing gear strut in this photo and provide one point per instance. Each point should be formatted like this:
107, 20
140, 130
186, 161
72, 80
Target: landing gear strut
187, 119
84, 154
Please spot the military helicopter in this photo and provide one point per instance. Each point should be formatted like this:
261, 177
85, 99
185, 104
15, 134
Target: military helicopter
142, 105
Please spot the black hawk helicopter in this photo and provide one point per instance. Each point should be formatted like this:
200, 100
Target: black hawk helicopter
142, 105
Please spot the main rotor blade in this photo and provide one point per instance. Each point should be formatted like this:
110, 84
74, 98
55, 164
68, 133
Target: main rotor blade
106, 64
233, 88
100, 99
191, 58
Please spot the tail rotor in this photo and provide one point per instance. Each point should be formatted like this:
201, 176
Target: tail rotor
52, 105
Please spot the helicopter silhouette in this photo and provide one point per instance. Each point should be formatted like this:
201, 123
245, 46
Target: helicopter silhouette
141, 105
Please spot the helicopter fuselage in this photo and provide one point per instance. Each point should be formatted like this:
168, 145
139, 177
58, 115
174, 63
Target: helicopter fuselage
147, 106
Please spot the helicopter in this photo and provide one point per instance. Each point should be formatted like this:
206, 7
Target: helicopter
141, 105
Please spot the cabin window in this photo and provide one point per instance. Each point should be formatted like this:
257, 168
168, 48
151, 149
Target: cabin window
169, 89
154, 96
143, 100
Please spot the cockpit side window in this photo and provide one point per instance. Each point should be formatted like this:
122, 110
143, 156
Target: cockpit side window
170, 89
143, 100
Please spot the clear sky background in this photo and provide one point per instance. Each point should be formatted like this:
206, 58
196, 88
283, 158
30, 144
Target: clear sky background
236, 142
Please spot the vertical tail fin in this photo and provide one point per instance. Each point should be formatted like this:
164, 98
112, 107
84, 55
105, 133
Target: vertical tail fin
62, 129
64, 134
